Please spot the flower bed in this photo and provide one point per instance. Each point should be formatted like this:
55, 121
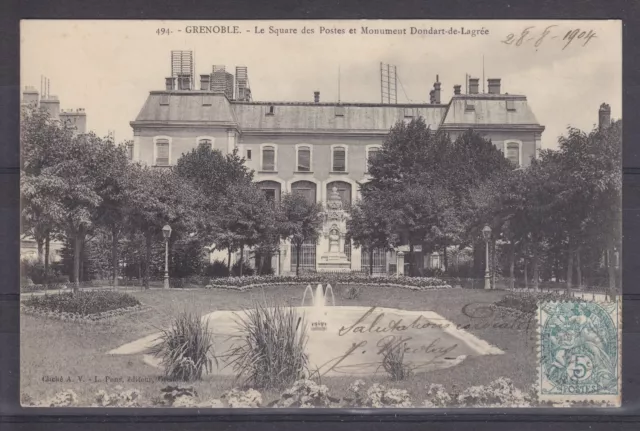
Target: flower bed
245, 283
88, 305
76, 317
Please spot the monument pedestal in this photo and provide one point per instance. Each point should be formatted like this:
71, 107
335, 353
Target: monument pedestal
334, 262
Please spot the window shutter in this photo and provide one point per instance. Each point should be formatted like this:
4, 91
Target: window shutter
268, 159
339, 160
304, 159
373, 152
513, 153
162, 153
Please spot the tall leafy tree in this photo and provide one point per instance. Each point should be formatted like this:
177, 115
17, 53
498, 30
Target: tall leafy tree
368, 227
300, 221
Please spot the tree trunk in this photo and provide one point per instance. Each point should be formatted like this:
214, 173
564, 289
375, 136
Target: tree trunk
569, 268
147, 263
76, 261
526, 276
114, 256
241, 259
47, 241
493, 263
612, 269
512, 265
370, 260
445, 259
229, 262
535, 275
298, 247
40, 244
83, 257
578, 269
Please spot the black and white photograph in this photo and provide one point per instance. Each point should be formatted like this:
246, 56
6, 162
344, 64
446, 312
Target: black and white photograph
321, 214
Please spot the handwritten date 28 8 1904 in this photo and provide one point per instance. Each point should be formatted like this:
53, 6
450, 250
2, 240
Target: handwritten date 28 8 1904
532, 35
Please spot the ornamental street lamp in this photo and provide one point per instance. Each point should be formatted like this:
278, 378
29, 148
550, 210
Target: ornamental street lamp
486, 233
166, 231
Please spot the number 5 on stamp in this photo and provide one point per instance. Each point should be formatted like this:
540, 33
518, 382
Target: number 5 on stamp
579, 357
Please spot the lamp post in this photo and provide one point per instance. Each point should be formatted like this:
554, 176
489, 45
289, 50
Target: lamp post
166, 231
486, 233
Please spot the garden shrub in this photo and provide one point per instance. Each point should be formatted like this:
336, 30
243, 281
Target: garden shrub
247, 270
82, 303
351, 291
344, 279
217, 268
527, 302
185, 348
236, 398
306, 393
272, 350
393, 361
377, 396
119, 398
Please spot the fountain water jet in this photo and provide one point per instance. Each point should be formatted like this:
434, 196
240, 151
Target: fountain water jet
319, 298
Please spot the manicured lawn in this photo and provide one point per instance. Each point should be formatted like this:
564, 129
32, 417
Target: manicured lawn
52, 348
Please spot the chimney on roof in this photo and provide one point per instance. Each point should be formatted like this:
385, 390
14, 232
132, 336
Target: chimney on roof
316, 96
604, 116
436, 91
456, 90
205, 82
494, 85
170, 83
473, 85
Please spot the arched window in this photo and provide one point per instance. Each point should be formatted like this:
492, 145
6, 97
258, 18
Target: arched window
269, 158
372, 152
512, 152
339, 159
205, 142
271, 190
304, 159
163, 152
306, 189
344, 190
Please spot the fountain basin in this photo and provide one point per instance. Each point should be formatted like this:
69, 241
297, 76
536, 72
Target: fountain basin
350, 341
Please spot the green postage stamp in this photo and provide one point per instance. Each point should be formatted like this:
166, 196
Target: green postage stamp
580, 358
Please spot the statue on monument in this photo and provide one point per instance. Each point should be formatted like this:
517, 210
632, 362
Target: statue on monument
334, 240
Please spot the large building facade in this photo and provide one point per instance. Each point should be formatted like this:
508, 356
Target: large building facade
313, 147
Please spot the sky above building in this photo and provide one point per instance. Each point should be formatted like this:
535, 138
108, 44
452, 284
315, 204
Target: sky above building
565, 68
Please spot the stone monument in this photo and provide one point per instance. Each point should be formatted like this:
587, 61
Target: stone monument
332, 257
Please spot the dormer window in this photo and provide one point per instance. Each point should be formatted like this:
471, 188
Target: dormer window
339, 111
271, 110
511, 106
164, 99
469, 105
207, 100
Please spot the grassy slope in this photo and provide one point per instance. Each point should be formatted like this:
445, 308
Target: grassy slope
55, 348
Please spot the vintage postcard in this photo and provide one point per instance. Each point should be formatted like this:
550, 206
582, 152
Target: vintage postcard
340, 214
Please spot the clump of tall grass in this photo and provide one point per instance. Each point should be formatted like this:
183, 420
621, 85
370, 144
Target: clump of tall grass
185, 348
271, 350
393, 361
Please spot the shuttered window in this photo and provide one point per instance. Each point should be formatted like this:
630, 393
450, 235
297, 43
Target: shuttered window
371, 154
162, 152
205, 143
513, 153
339, 159
130, 151
268, 159
306, 189
304, 159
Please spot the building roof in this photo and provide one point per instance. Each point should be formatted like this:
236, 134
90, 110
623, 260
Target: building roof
206, 108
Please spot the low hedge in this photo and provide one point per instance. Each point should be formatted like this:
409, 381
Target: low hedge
244, 283
81, 303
